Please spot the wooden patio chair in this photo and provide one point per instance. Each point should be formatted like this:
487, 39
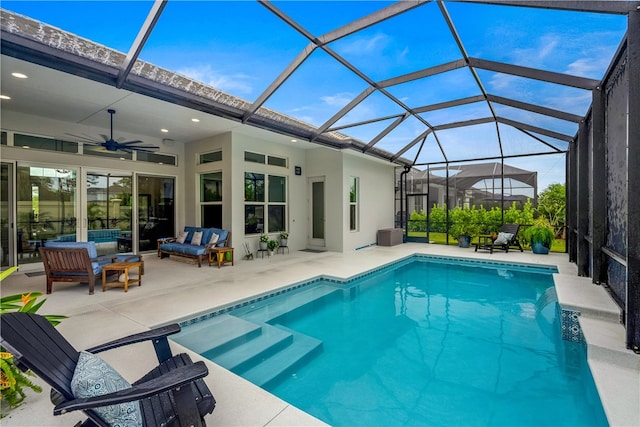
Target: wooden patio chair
172, 394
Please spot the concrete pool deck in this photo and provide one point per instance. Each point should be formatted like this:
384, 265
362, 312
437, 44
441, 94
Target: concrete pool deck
174, 291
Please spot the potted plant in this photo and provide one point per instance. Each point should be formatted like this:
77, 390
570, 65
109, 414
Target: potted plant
264, 239
272, 245
463, 226
540, 237
284, 238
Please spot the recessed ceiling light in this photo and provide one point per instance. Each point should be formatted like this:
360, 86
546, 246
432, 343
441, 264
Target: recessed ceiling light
161, 163
122, 158
25, 146
19, 75
5, 97
195, 120
164, 130
294, 140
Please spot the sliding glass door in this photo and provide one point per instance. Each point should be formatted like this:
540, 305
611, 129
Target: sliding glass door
156, 210
46, 208
109, 211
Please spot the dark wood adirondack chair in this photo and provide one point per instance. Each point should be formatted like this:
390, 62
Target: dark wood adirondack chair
172, 394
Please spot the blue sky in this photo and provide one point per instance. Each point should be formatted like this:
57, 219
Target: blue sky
240, 47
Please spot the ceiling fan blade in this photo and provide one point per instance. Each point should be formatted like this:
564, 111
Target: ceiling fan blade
146, 148
105, 137
84, 138
130, 142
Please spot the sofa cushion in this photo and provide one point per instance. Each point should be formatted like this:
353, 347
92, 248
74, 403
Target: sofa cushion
182, 237
182, 248
197, 238
90, 246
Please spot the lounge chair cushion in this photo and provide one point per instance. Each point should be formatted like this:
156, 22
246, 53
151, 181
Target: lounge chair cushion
95, 377
503, 238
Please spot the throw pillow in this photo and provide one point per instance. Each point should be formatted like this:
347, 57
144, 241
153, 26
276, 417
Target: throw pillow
95, 377
503, 238
214, 239
182, 236
197, 238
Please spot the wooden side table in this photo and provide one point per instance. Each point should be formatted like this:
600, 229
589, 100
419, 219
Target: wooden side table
219, 255
121, 268
485, 241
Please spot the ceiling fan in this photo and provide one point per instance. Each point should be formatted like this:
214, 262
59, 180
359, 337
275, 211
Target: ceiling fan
110, 144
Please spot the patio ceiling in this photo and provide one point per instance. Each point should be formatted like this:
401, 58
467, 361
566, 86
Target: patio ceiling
414, 82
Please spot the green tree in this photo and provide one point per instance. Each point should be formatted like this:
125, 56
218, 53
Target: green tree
552, 205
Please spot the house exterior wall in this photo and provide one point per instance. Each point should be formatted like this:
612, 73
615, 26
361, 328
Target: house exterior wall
375, 199
376, 187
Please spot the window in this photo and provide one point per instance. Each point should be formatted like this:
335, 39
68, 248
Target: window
263, 159
277, 161
277, 203
264, 193
3, 138
40, 143
253, 157
161, 159
211, 199
215, 156
353, 203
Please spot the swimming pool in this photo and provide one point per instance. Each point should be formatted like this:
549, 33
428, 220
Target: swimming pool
428, 341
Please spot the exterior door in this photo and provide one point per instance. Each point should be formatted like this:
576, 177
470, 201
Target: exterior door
317, 209
418, 227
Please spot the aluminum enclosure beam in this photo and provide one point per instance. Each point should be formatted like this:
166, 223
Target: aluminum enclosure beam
613, 7
141, 39
532, 73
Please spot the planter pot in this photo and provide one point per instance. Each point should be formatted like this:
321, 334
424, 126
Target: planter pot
539, 248
283, 242
464, 241
263, 246
271, 253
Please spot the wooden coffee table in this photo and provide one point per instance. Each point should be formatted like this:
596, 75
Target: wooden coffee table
121, 268
219, 255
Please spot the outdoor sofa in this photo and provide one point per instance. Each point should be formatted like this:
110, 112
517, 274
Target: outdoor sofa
194, 242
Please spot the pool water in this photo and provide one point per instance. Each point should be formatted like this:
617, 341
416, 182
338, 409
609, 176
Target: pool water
429, 343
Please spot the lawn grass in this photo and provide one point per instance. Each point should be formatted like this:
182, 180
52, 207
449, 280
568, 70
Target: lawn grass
558, 245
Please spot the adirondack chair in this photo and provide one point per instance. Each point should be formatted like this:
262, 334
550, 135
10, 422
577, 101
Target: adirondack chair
172, 394
510, 242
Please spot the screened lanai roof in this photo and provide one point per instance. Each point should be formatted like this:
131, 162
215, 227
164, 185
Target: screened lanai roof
419, 82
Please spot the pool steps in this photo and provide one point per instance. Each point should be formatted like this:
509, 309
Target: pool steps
214, 333
242, 357
255, 346
284, 362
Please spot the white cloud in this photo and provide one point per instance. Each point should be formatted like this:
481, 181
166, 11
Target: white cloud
364, 45
338, 100
236, 84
